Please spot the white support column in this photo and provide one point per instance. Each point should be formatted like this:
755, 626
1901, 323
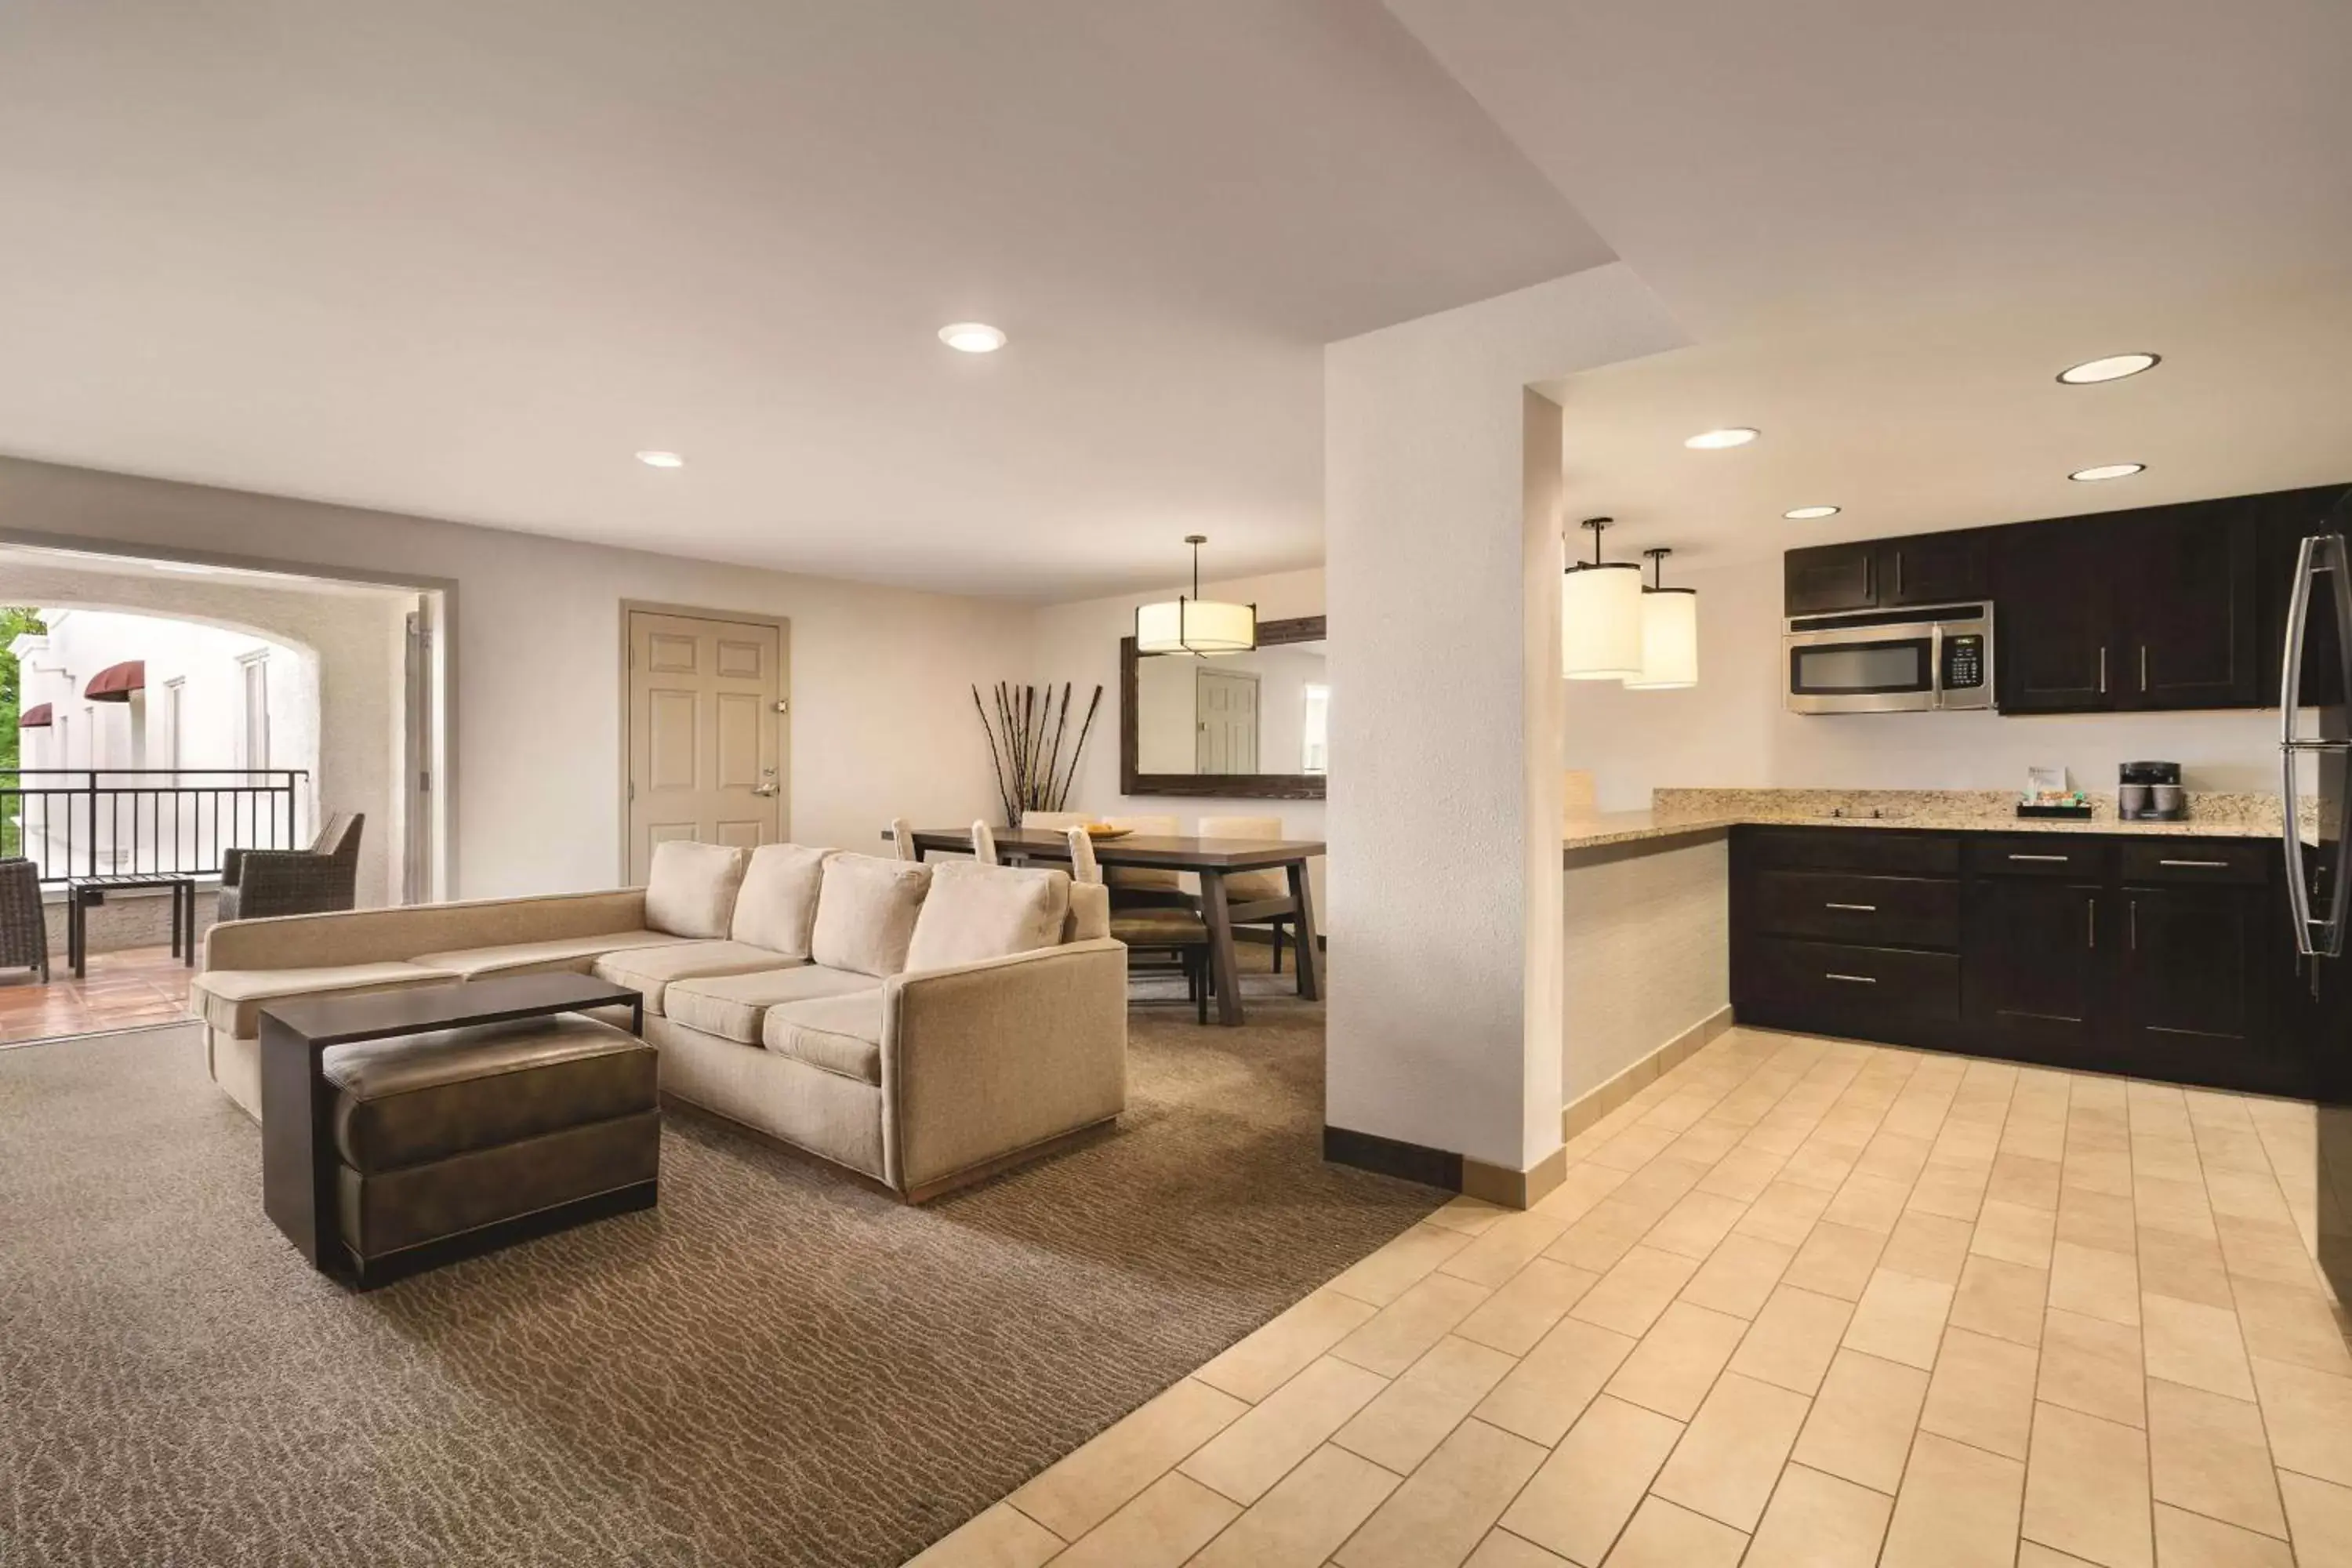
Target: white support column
1441, 535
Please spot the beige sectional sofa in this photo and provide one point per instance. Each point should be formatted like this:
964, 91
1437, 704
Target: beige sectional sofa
923, 1025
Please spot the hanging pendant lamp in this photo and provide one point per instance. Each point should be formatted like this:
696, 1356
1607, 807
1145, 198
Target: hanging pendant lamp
1200, 626
1669, 633
1601, 616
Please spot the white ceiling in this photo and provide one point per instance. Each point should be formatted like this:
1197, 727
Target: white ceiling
464, 260
1889, 227
1770, 167
1959, 420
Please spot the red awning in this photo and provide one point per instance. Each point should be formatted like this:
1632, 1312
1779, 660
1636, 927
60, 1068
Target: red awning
116, 682
34, 718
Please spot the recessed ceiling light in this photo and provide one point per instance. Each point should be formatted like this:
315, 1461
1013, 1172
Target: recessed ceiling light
971, 337
2106, 471
2114, 367
1808, 513
1710, 440
661, 460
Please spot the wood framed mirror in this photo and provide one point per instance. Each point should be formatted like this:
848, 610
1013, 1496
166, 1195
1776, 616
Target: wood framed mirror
1248, 726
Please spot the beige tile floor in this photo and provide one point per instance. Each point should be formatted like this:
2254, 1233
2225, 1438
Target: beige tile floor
1799, 1302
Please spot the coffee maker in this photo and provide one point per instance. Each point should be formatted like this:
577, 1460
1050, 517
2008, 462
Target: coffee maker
2150, 791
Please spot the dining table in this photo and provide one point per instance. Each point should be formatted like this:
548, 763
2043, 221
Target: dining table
1210, 859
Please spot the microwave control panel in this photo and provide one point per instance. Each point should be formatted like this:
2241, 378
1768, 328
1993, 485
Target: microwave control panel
1963, 662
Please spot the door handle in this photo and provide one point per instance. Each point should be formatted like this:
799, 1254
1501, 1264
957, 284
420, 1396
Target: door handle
1852, 979
1858, 909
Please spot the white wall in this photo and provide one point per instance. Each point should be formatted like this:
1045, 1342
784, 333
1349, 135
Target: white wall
1731, 730
335, 695
1441, 535
881, 723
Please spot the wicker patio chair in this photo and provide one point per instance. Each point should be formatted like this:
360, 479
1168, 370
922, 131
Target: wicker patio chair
23, 929
258, 883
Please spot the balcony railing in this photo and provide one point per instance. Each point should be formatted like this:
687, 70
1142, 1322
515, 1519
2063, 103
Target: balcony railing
94, 822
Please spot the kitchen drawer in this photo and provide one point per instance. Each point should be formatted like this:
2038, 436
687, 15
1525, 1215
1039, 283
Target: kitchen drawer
1848, 982
2231, 862
1869, 911
1868, 849
2038, 854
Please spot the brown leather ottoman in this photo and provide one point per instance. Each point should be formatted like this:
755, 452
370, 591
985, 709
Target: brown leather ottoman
460, 1139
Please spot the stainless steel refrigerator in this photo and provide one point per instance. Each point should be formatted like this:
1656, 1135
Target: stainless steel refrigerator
2315, 759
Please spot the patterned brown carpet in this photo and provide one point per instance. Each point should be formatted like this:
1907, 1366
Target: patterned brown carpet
775, 1367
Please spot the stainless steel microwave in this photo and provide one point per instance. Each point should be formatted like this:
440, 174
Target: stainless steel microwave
1889, 661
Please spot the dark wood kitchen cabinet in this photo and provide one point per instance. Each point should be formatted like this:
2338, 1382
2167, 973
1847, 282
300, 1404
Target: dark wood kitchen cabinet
2035, 981
2054, 618
2165, 607
2190, 637
2165, 957
1887, 573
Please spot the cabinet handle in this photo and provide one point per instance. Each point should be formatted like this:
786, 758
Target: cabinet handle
2143, 667
2134, 908
1861, 908
1852, 979
2091, 924
1870, 579
2056, 859
2103, 669
2208, 865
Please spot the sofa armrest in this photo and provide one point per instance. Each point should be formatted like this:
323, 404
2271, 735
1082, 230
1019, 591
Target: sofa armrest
985, 1059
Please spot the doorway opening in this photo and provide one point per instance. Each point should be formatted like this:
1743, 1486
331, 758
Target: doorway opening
164, 726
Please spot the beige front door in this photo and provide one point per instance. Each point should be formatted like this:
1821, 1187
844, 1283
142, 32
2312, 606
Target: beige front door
706, 756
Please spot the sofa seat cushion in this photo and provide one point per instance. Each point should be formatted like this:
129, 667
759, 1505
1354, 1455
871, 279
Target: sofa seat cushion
418, 1097
975, 913
569, 954
648, 970
732, 1006
841, 1034
232, 999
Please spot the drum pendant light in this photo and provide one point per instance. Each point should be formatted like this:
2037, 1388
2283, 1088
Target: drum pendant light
1195, 625
1669, 633
1601, 616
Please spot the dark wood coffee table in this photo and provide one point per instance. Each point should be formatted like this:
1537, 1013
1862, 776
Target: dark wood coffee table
297, 1103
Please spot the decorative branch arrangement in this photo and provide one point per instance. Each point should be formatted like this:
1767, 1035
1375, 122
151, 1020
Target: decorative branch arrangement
1025, 731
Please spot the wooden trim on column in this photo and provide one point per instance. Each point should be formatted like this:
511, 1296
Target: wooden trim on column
1514, 1189
1393, 1157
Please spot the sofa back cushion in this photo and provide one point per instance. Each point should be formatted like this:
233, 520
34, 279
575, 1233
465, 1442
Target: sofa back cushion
975, 913
691, 891
865, 912
776, 908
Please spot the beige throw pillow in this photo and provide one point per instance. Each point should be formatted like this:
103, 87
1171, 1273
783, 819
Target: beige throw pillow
691, 888
777, 906
866, 913
976, 912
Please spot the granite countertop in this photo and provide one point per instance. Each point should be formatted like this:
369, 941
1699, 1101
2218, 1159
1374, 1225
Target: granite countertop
1678, 813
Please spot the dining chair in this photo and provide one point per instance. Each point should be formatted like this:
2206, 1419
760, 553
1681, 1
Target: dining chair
983, 843
1171, 928
902, 839
1250, 887
1139, 885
